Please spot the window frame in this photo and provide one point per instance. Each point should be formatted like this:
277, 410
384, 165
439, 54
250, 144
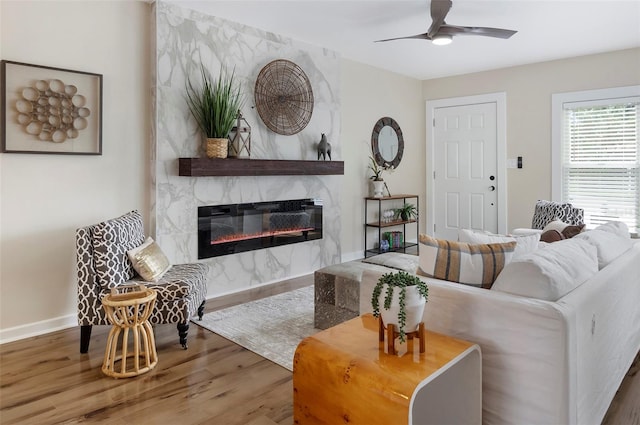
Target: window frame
557, 124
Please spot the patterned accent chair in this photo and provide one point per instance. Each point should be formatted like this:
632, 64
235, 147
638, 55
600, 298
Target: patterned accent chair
547, 211
101, 254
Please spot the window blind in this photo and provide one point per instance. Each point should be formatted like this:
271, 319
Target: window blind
601, 160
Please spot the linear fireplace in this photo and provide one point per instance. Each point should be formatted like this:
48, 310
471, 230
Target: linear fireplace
229, 229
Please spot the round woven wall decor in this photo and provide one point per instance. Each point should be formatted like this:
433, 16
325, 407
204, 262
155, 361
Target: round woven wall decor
283, 96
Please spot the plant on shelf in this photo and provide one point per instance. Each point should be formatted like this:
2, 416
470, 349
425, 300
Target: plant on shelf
406, 212
378, 181
376, 170
215, 106
405, 309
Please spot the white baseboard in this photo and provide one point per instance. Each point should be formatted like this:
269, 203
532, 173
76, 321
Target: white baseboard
64, 322
38, 328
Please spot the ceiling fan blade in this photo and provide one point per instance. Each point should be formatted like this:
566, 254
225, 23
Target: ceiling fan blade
424, 36
439, 11
453, 30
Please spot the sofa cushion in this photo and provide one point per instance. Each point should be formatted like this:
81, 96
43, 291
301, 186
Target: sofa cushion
111, 241
473, 264
609, 245
395, 260
617, 227
179, 282
149, 260
551, 272
525, 243
547, 211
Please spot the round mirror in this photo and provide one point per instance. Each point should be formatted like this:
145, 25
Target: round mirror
387, 142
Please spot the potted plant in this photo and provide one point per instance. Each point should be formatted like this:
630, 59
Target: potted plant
406, 212
376, 169
215, 107
378, 181
403, 307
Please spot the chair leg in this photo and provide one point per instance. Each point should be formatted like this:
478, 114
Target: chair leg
183, 329
201, 310
85, 337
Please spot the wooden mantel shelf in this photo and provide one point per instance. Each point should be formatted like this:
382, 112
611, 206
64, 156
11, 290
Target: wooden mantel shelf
197, 167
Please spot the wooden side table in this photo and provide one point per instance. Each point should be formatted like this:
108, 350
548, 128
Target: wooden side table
344, 375
128, 309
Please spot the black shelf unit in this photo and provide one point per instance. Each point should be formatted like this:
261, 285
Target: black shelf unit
380, 225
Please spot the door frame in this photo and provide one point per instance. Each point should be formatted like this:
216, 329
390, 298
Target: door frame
500, 99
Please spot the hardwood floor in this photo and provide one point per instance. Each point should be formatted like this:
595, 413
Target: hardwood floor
625, 406
45, 380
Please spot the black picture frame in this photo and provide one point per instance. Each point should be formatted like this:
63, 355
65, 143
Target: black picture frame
49, 110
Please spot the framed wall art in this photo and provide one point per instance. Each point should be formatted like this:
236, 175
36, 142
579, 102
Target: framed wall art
50, 110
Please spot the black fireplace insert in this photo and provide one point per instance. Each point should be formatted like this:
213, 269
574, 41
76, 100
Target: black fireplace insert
233, 228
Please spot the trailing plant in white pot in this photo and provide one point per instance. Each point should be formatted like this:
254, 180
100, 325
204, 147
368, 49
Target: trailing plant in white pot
402, 297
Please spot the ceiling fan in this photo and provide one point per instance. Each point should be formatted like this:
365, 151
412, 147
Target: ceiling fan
441, 33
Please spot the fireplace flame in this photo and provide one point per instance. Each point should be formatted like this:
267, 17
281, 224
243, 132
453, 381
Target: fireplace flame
267, 233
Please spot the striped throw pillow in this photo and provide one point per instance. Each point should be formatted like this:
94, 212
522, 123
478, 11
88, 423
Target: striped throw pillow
472, 264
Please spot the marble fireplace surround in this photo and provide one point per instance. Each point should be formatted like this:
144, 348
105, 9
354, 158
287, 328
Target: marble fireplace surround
183, 38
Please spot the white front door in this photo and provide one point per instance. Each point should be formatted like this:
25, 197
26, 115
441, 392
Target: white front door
465, 169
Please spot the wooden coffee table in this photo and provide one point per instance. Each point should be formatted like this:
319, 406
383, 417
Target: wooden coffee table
344, 375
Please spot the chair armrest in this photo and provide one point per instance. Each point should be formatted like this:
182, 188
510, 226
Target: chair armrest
523, 231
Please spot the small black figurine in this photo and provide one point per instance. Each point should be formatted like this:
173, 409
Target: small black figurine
324, 148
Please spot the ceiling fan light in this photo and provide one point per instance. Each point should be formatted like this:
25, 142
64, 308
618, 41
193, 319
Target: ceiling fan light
442, 40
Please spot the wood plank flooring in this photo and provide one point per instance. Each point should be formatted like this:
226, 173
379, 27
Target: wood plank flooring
45, 380
625, 406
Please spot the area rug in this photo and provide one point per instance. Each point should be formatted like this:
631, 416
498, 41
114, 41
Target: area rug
270, 327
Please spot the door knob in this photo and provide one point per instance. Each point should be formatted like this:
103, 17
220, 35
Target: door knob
492, 188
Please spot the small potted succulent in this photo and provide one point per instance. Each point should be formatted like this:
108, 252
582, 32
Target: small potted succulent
215, 105
406, 212
402, 297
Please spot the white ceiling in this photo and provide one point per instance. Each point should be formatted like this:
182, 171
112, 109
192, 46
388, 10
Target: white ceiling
547, 30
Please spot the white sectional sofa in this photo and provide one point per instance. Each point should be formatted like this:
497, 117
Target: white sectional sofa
544, 361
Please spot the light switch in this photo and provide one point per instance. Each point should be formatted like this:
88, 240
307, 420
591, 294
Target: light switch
512, 163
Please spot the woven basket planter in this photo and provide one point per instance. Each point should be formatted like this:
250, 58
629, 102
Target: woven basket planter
217, 148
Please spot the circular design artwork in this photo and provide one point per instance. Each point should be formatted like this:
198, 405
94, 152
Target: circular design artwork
284, 97
52, 111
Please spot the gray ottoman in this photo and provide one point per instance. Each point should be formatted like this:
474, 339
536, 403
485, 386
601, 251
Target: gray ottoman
337, 287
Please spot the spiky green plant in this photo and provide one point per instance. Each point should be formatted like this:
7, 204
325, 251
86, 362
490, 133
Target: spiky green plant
400, 280
215, 105
406, 212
